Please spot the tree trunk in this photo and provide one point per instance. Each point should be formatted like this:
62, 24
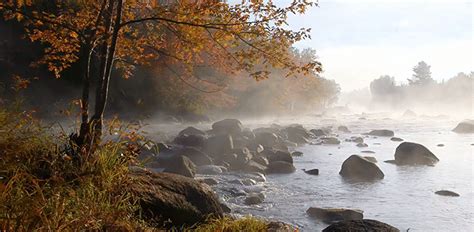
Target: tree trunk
103, 85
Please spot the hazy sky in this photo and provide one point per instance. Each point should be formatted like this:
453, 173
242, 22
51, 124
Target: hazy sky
359, 40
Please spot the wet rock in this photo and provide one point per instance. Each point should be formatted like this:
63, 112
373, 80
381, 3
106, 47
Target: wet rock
297, 134
356, 139
440, 145
343, 129
209, 170
198, 157
466, 126
312, 171
362, 145
318, 132
371, 159
227, 126
280, 167
209, 181
165, 197
358, 168
190, 140
383, 133
218, 145
447, 193
335, 214
247, 133
279, 156
396, 139
366, 225
236, 181
254, 199
192, 131
371, 152
414, 154
330, 140
297, 153
258, 176
266, 139
176, 164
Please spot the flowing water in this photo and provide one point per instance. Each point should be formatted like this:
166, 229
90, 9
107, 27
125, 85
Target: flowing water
405, 198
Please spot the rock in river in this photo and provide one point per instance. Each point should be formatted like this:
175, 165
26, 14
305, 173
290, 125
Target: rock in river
176, 164
466, 126
227, 126
359, 168
414, 154
335, 214
314, 171
168, 197
384, 133
254, 199
280, 167
447, 193
366, 225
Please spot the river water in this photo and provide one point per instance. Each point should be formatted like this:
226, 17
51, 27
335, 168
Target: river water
404, 198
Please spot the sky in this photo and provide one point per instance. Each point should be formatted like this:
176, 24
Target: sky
360, 40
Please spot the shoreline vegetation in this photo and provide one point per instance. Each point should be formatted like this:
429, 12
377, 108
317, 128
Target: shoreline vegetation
45, 185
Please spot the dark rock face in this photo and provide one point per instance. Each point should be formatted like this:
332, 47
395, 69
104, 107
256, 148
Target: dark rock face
335, 214
312, 171
190, 140
414, 154
191, 131
168, 197
358, 168
176, 164
365, 225
465, 127
280, 167
318, 132
447, 193
227, 126
279, 156
396, 139
218, 145
384, 133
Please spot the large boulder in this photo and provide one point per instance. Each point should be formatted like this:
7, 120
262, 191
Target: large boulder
366, 225
358, 168
297, 134
173, 200
176, 164
335, 214
383, 133
330, 140
280, 167
466, 126
218, 145
227, 126
414, 154
191, 131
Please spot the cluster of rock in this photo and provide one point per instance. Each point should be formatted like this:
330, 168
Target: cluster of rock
228, 146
